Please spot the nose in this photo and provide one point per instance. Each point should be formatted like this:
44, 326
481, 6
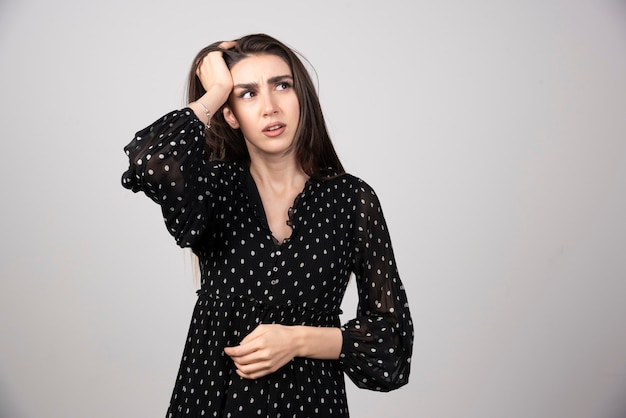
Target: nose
270, 106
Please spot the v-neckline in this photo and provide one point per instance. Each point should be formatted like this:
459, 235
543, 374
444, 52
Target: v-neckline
255, 199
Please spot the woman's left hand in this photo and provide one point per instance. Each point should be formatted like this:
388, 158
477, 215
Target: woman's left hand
263, 351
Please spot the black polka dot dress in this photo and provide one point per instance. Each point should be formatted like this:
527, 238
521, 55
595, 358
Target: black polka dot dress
248, 278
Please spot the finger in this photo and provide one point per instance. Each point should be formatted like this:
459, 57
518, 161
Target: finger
241, 350
248, 339
234, 352
252, 365
252, 341
264, 366
251, 376
227, 44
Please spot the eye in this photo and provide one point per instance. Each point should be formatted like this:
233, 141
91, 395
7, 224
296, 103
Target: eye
284, 85
246, 94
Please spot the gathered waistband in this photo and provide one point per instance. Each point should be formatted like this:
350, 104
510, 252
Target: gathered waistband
283, 314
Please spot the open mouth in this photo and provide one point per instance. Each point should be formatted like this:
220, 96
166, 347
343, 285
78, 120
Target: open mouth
274, 129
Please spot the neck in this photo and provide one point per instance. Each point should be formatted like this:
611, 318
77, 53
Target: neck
279, 174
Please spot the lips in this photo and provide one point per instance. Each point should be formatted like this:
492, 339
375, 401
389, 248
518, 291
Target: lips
274, 129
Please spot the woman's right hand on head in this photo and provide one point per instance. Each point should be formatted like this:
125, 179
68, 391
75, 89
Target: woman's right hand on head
216, 80
214, 74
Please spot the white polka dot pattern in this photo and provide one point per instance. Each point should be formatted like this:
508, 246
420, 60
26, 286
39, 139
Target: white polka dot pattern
248, 278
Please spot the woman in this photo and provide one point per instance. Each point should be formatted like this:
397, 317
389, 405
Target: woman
247, 177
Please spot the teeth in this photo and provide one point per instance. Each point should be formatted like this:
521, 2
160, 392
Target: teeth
273, 128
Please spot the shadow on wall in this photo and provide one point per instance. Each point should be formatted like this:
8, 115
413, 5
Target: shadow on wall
7, 404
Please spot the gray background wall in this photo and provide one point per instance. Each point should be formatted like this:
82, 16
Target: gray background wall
494, 133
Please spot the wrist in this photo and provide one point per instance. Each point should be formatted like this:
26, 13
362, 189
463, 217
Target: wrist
207, 124
298, 338
316, 342
209, 103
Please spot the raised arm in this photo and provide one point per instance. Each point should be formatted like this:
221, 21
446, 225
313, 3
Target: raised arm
217, 82
167, 161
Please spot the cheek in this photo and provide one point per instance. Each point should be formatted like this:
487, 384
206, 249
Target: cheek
294, 105
296, 110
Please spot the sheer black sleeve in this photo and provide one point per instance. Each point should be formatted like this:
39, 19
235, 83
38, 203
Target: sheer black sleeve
378, 343
166, 162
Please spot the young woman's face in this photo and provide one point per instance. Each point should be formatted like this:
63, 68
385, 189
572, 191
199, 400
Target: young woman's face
264, 104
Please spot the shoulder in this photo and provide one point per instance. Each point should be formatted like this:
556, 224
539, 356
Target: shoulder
227, 171
227, 166
350, 183
351, 190
184, 115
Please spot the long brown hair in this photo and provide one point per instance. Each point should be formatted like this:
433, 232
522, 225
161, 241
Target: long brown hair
313, 146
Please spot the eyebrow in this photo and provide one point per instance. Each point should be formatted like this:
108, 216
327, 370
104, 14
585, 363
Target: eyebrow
271, 80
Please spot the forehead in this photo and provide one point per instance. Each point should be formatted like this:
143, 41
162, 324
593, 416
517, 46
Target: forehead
258, 68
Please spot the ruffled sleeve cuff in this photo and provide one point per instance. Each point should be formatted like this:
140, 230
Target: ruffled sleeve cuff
374, 356
166, 162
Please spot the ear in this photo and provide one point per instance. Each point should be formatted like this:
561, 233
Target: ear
230, 118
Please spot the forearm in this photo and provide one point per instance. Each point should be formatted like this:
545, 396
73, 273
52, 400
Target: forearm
217, 82
271, 346
321, 343
212, 100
